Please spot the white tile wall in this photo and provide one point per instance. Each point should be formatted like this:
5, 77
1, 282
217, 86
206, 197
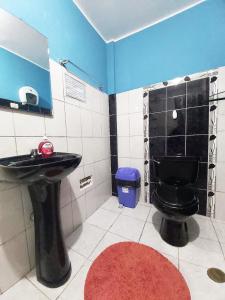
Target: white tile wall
75, 127
14, 261
220, 166
130, 130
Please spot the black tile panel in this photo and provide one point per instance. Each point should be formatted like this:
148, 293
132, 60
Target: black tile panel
157, 124
198, 120
153, 175
153, 187
157, 146
157, 100
198, 92
202, 196
176, 126
197, 145
185, 135
176, 145
201, 182
176, 90
176, 102
113, 145
112, 104
114, 186
114, 164
113, 125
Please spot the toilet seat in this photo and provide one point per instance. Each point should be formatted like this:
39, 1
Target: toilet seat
177, 197
176, 210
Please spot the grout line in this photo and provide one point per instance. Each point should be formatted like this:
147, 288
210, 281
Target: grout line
192, 263
181, 135
142, 231
218, 238
183, 108
37, 288
14, 237
26, 238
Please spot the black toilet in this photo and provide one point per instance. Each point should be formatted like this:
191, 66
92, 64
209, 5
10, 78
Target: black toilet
175, 196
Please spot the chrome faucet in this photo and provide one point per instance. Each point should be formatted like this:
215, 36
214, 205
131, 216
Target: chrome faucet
34, 153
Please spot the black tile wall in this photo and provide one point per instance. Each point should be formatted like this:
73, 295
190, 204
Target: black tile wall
187, 134
157, 146
114, 164
176, 90
157, 123
157, 100
202, 178
197, 145
153, 175
112, 104
176, 145
202, 195
113, 145
198, 120
113, 125
176, 126
114, 186
198, 92
113, 141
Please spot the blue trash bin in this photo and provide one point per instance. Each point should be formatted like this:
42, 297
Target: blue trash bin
128, 186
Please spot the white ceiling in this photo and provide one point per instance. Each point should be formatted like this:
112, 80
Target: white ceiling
115, 19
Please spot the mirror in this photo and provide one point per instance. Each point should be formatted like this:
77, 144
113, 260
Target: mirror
24, 65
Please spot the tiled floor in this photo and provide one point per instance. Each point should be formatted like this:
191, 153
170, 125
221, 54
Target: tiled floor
111, 224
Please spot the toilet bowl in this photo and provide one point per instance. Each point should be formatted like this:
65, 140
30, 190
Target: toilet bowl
175, 196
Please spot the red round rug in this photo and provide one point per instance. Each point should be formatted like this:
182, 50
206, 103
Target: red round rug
132, 271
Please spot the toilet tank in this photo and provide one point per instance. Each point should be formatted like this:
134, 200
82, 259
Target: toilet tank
176, 170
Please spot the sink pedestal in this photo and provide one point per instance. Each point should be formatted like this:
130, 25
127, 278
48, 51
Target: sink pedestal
53, 266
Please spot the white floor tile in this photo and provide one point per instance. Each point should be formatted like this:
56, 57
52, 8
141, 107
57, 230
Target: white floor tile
220, 230
128, 227
140, 212
76, 261
152, 238
23, 290
108, 240
172, 259
223, 248
75, 290
113, 205
85, 239
200, 286
199, 226
14, 262
155, 216
102, 218
203, 252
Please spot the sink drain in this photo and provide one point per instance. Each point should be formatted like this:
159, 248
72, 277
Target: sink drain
216, 275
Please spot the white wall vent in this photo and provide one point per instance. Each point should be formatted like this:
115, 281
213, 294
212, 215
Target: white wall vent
74, 88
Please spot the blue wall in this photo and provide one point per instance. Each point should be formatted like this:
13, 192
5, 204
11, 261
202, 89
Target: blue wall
69, 34
17, 72
184, 44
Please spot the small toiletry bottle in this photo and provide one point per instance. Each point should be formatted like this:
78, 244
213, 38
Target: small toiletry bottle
45, 148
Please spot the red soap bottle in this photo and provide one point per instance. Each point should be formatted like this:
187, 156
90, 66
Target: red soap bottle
45, 148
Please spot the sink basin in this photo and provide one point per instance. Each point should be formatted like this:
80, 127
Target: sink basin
43, 177
26, 169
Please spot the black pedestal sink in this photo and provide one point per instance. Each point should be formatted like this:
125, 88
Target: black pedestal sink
43, 177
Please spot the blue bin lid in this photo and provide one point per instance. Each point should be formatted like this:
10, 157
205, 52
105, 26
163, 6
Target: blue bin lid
130, 174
